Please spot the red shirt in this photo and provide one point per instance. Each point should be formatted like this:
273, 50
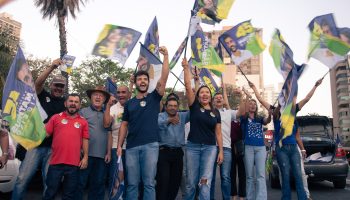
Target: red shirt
68, 134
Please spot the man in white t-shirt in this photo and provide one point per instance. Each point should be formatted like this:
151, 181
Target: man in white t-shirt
227, 116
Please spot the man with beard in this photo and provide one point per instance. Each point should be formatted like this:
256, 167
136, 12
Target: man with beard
237, 55
100, 145
113, 117
70, 134
140, 121
172, 139
52, 103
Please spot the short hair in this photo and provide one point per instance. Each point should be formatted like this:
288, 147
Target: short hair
173, 95
171, 99
218, 93
73, 95
140, 73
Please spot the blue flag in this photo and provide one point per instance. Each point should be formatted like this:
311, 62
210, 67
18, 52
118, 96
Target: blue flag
111, 87
147, 61
178, 54
20, 105
207, 79
152, 38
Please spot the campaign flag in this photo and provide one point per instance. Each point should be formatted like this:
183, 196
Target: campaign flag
242, 42
67, 65
203, 54
287, 99
212, 11
326, 43
178, 54
147, 61
116, 42
152, 38
118, 187
344, 34
207, 79
281, 54
20, 105
111, 87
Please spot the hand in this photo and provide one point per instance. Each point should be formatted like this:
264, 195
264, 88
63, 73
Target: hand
119, 151
303, 153
163, 50
108, 157
318, 82
174, 120
84, 162
270, 112
184, 63
220, 157
111, 101
56, 63
3, 161
251, 84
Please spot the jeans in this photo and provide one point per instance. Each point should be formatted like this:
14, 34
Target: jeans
169, 172
288, 159
141, 163
54, 178
93, 177
303, 175
35, 158
225, 174
200, 160
237, 167
255, 155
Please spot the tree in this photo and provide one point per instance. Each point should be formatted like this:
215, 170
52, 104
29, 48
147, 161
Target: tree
60, 8
93, 72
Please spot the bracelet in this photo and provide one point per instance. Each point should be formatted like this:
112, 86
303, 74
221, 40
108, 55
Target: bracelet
303, 150
5, 153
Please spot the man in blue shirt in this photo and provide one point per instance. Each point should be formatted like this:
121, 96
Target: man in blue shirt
140, 121
172, 138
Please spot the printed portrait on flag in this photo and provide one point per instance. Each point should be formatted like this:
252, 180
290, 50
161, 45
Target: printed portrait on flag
116, 42
327, 44
152, 38
212, 11
242, 42
21, 107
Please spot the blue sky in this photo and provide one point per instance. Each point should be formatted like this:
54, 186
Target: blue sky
40, 36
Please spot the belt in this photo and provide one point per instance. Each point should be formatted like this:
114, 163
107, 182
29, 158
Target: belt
163, 147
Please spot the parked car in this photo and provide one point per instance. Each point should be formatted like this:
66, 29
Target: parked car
316, 134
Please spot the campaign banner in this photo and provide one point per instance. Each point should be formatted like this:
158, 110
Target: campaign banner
21, 107
212, 11
242, 42
67, 65
116, 42
152, 38
178, 54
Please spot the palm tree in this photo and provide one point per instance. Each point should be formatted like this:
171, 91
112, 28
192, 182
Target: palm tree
60, 8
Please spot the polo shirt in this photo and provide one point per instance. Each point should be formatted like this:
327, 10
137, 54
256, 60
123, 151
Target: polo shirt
67, 134
142, 117
98, 133
51, 105
116, 113
227, 116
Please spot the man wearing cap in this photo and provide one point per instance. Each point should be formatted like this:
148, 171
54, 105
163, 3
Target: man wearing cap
53, 103
140, 121
100, 145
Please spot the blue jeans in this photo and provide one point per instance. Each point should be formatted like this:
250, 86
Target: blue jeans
257, 155
54, 178
225, 174
288, 159
200, 160
141, 163
35, 158
93, 177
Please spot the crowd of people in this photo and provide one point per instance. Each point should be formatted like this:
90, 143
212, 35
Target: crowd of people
163, 150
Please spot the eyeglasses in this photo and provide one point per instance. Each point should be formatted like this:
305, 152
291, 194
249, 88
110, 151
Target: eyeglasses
59, 85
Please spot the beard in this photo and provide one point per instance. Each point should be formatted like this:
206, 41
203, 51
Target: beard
71, 111
140, 90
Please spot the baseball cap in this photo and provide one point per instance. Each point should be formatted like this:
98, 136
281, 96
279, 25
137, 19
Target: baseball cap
59, 79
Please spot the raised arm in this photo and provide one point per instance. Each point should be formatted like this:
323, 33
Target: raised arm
196, 82
268, 118
309, 95
224, 94
39, 82
187, 76
107, 118
165, 71
243, 107
258, 96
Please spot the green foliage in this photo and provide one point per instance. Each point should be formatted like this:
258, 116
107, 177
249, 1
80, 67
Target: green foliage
93, 72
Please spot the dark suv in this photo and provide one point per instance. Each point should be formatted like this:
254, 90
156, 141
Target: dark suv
316, 132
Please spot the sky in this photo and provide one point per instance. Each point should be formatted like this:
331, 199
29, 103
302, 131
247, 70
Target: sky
291, 17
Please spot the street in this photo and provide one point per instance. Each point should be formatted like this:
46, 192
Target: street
319, 191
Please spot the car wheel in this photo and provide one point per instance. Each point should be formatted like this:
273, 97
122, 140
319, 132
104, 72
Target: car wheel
274, 182
339, 184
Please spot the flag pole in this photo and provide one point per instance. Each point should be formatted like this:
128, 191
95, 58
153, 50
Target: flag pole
175, 84
325, 74
243, 73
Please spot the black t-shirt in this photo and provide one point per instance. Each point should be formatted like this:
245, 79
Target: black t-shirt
203, 123
51, 105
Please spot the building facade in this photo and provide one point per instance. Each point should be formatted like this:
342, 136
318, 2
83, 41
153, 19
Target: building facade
340, 91
12, 29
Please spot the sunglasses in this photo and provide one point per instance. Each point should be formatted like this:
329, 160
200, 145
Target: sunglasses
59, 85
